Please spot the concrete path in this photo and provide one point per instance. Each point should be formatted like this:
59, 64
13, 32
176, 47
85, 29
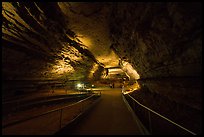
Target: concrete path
109, 117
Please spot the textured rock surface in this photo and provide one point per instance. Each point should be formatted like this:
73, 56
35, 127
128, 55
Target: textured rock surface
38, 44
90, 22
159, 39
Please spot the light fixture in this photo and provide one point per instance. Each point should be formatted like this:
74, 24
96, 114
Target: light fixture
79, 85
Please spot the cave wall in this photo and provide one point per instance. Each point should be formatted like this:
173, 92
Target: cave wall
163, 43
42, 46
38, 44
159, 39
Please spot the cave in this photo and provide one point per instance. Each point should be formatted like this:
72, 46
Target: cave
158, 45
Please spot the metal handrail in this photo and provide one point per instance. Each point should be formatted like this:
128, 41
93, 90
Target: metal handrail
45, 101
161, 115
16, 101
45, 113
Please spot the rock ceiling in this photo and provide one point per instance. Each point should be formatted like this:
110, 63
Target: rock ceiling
90, 23
56, 40
78, 40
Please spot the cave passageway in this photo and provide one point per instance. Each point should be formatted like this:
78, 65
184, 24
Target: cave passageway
53, 46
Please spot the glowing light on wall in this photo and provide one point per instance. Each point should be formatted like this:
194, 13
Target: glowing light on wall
131, 88
115, 71
129, 70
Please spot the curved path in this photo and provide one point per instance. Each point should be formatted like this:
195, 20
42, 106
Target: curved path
109, 117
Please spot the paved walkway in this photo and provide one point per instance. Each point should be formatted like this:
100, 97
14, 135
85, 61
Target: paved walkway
109, 117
